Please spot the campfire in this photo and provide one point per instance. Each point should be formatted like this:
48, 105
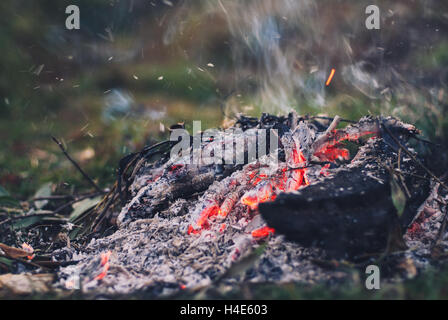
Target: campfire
314, 192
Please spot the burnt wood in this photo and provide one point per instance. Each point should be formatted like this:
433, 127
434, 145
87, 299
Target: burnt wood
349, 214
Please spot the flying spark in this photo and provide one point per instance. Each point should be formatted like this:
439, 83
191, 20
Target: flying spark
333, 71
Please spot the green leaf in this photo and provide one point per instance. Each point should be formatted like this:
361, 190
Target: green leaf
7, 201
3, 192
7, 262
44, 191
26, 222
74, 233
398, 196
82, 206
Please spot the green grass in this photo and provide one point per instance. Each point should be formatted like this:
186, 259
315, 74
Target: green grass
429, 285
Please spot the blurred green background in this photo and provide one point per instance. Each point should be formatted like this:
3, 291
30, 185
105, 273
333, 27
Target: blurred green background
136, 67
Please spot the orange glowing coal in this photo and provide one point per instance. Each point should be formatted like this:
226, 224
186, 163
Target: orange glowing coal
105, 264
288, 179
324, 170
332, 153
210, 210
265, 189
262, 232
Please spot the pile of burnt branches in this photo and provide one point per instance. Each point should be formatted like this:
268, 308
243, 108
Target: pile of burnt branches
357, 192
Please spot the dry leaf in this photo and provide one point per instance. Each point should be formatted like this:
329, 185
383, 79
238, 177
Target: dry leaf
14, 253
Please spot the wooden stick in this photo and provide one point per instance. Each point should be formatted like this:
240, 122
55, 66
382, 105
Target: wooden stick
29, 263
42, 214
323, 138
329, 118
76, 165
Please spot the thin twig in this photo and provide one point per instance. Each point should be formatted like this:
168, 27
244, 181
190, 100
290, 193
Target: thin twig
99, 218
425, 141
63, 197
331, 119
403, 182
60, 197
310, 165
68, 204
412, 175
324, 137
76, 165
29, 263
332, 126
43, 214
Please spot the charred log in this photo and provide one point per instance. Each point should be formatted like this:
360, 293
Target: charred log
351, 212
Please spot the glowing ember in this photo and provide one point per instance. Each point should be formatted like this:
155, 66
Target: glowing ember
202, 223
265, 189
332, 153
250, 199
331, 150
324, 170
227, 205
415, 228
290, 177
175, 167
262, 232
222, 228
105, 264
26, 247
288, 181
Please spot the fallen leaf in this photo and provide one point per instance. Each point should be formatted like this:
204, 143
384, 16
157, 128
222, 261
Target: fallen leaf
44, 191
14, 253
26, 222
398, 196
3, 192
82, 206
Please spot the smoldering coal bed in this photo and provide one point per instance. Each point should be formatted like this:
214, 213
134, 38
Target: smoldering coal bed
346, 194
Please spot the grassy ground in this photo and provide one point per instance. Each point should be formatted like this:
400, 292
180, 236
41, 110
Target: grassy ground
431, 285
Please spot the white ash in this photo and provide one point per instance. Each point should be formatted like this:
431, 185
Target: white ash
156, 251
424, 232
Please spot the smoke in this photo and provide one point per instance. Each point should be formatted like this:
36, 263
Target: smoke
268, 39
283, 52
